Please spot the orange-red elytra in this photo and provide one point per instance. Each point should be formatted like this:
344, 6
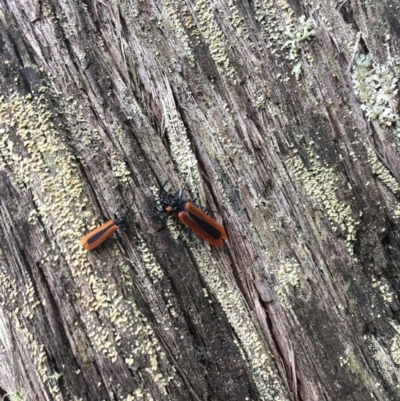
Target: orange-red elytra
97, 236
173, 204
202, 224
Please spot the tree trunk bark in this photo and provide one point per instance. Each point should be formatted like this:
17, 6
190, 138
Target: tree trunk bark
280, 117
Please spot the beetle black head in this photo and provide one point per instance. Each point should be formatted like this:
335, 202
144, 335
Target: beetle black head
173, 200
119, 221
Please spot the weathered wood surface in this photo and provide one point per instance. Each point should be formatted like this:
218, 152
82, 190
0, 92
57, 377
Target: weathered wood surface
282, 117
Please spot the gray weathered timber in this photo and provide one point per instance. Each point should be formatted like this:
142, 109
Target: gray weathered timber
282, 118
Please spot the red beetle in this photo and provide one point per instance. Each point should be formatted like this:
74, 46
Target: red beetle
173, 204
97, 236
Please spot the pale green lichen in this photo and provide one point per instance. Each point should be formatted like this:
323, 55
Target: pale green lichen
384, 289
215, 38
288, 278
296, 71
376, 87
298, 34
181, 150
47, 167
396, 212
284, 30
120, 169
250, 344
18, 395
10, 382
138, 395
267, 14
152, 267
260, 101
385, 358
395, 349
237, 19
319, 182
343, 360
177, 17
382, 172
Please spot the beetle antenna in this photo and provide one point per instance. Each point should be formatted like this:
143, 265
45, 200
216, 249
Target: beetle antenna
162, 187
129, 211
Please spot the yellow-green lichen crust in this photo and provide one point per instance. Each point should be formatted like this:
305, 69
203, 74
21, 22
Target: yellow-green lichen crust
48, 168
250, 343
319, 183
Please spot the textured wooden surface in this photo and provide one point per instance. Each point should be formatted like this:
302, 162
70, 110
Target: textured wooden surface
279, 116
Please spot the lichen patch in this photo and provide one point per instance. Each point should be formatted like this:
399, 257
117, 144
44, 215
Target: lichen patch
36, 157
395, 349
319, 182
284, 31
215, 38
288, 277
376, 87
382, 172
176, 16
181, 150
257, 357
